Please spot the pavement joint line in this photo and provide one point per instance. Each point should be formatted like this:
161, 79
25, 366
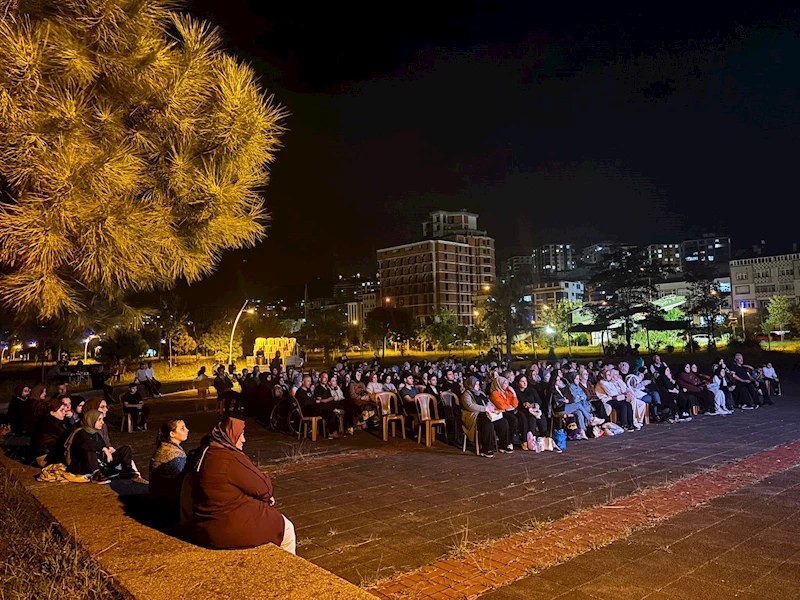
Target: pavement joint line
522, 553
291, 465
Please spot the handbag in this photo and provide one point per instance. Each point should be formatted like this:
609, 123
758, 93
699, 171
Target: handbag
558, 402
560, 439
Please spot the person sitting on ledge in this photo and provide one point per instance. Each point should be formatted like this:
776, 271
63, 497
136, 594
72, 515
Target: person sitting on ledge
167, 463
232, 505
87, 454
51, 433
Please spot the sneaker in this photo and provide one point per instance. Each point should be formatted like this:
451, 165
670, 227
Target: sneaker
99, 478
487, 454
582, 436
140, 428
747, 407
506, 451
685, 419
672, 421
525, 446
137, 478
637, 426
333, 436
531, 441
597, 421
338, 411
349, 431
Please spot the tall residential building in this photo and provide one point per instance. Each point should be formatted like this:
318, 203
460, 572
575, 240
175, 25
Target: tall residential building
755, 280
711, 248
445, 272
522, 263
554, 258
666, 256
348, 289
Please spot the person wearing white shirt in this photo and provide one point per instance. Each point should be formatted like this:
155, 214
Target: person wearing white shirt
772, 380
614, 396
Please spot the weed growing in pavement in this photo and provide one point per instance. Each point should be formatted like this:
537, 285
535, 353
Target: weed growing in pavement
332, 531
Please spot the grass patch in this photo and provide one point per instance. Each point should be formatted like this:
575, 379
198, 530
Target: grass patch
36, 561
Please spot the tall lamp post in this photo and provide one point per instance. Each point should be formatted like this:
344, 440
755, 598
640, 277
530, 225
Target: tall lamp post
744, 333
88, 339
249, 311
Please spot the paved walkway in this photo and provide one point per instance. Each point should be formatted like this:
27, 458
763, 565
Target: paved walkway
375, 513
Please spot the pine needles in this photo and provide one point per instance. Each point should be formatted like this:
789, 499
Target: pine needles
133, 151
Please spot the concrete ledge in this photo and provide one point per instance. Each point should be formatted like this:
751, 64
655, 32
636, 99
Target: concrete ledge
148, 564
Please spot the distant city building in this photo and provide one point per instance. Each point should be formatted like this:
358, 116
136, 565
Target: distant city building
596, 253
554, 258
709, 249
665, 256
756, 280
544, 296
523, 263
347, 289
681, 287
446, 272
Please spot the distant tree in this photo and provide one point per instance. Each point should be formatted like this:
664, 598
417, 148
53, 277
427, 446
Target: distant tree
325, 329
506, 309
216, 341
706, 300
123, 345
766, 329
183, 343
133, 152
781, 313
387, 323
559, 317
441, 328
629, 282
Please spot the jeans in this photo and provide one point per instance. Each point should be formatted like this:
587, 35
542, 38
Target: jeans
581, 413
651, 398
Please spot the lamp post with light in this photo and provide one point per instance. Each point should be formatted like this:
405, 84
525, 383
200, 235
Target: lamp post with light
744, 332
88, 339
249, 311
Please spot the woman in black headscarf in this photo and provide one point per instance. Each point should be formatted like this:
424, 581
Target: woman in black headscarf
87, 453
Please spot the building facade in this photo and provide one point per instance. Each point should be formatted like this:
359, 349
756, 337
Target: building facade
521, 264
755, 280
544, 296
554, 258
682, 287
711, 248
446, 272
664, 256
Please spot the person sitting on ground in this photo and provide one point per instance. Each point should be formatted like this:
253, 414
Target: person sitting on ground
16, 409
78, 403
482, 419
87, 453
133, 405
615, 398
167, 464
232, 502
226, 396
51, 433
771, 377
533, 424
503, 397
746, 391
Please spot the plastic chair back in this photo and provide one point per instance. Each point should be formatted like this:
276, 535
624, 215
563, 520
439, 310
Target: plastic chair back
424, 403
384, 400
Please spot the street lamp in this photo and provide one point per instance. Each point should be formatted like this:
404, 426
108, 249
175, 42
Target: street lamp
387, 300
88, 339
744, 333
249, 311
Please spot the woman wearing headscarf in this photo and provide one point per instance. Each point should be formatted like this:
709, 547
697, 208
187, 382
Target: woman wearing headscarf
51, 433
87, 453
503, 397
36, 408
231, 500
482, 419
530, 414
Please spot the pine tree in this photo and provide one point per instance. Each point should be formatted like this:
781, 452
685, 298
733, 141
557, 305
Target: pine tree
133, 152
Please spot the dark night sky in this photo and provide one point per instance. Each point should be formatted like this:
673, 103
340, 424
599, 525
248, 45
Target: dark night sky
564, 124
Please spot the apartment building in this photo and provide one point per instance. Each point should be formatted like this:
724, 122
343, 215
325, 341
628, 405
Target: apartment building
711, 248
681, 287
544, 296
665, 256
445, 272
554, 258
755, 280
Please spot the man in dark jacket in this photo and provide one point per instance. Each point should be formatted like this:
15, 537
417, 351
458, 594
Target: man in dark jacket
133, 405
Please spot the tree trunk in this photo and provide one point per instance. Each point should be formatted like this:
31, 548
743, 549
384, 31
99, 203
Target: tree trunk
509, 339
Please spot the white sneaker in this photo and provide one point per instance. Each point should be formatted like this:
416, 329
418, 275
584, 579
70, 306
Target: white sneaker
597, 421
637, 426
338, 411
748, 407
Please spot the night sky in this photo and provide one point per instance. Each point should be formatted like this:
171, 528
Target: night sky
563, 124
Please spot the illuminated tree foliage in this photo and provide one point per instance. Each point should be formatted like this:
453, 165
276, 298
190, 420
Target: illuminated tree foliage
133, 152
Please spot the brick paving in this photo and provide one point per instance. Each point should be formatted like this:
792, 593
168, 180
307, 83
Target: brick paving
368, 510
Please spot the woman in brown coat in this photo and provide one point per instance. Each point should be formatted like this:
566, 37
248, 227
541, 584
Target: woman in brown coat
232, 502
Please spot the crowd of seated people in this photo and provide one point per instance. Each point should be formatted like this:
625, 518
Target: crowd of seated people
516, 406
